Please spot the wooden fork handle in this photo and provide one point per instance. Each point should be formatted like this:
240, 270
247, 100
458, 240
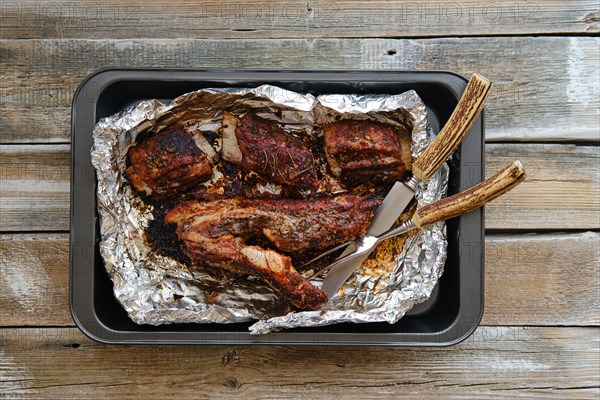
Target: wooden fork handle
472, 198
462, 119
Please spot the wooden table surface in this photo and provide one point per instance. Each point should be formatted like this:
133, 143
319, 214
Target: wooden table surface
539, 336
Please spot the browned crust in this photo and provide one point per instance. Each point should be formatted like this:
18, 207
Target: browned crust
275, 154
360, 151
167, 162
216, 233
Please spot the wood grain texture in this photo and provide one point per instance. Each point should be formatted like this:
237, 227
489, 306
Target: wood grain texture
551, 97
495, 362
35, 187
285, 19
563, 181
561, 191
34, 284
544, 279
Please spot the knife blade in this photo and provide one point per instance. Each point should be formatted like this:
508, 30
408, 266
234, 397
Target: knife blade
448, 139
385, 217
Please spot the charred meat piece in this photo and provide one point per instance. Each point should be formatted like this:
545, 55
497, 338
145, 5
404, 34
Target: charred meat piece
364, 151
215, 234
262, 147
319, 223
169, 162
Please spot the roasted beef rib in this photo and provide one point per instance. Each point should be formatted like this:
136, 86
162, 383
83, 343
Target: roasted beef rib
169, 162
218, 233
262, 147
360, 151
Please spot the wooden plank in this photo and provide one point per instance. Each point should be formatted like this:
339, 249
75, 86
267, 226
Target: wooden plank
35, 187
564, 182
495, 362
326, 18
555, 98
562, 191
34, 284
527, 281
543, 279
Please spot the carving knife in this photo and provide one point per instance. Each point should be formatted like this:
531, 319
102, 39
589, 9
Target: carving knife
462, 119
441, 210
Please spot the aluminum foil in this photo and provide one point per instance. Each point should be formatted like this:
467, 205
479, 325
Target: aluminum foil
155, 289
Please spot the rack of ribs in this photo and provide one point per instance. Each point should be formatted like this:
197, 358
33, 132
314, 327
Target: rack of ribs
361, 151
262, 147
216, 235
169, 162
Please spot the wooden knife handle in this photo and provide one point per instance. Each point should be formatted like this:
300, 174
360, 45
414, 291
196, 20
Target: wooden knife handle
462, 119
472, 198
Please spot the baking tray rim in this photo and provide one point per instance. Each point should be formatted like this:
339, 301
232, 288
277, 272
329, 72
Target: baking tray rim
103, 78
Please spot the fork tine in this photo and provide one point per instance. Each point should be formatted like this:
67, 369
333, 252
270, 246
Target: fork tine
332, 250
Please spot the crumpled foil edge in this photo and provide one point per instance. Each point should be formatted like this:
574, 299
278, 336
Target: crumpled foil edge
156, 290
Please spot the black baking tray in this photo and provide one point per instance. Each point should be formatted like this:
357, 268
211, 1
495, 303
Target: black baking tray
448, 317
